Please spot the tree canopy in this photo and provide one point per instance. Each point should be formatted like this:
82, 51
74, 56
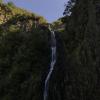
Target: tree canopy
1, 1
68, 7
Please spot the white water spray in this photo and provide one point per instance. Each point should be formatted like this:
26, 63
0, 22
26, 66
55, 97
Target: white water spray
52, 64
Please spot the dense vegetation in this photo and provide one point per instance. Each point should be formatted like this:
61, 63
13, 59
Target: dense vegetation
25, 53
82, 49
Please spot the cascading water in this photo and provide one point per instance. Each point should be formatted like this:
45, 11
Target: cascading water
52, 64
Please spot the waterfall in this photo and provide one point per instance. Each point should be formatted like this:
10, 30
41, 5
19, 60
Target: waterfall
52, 63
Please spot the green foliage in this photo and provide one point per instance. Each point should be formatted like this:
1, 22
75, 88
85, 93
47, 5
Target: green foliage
10, 4
1, 1
42, 20
24, 55
81, 44
23, 59
57, 24
13, 28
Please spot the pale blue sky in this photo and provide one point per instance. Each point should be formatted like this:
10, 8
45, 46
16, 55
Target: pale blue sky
50, 9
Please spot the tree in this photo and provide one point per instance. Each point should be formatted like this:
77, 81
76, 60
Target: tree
82, 45
68, 7
11, 4
57, 24
1, 1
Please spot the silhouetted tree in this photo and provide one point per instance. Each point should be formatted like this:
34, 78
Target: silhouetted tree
11, 4
69, 6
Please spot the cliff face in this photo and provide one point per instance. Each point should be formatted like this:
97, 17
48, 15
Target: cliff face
24, 56
56, 83
82, 49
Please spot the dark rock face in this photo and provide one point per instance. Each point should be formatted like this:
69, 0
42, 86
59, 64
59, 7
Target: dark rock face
56, 83
25, 58
83, 51
23, 61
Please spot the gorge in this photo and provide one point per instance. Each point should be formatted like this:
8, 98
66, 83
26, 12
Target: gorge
38, 63
53, 61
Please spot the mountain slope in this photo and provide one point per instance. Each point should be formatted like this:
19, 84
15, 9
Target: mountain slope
82, 51
24, 55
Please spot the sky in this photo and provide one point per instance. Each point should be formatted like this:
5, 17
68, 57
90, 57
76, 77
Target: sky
51, 10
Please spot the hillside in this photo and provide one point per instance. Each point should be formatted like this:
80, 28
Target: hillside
24, 47
8, 11
25, 53
82, 49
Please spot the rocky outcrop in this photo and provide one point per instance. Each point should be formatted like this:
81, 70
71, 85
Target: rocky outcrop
5, 13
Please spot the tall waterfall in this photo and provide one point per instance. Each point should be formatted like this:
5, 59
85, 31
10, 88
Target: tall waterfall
52, 63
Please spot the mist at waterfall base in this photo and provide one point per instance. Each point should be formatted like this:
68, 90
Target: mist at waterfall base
53, 61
